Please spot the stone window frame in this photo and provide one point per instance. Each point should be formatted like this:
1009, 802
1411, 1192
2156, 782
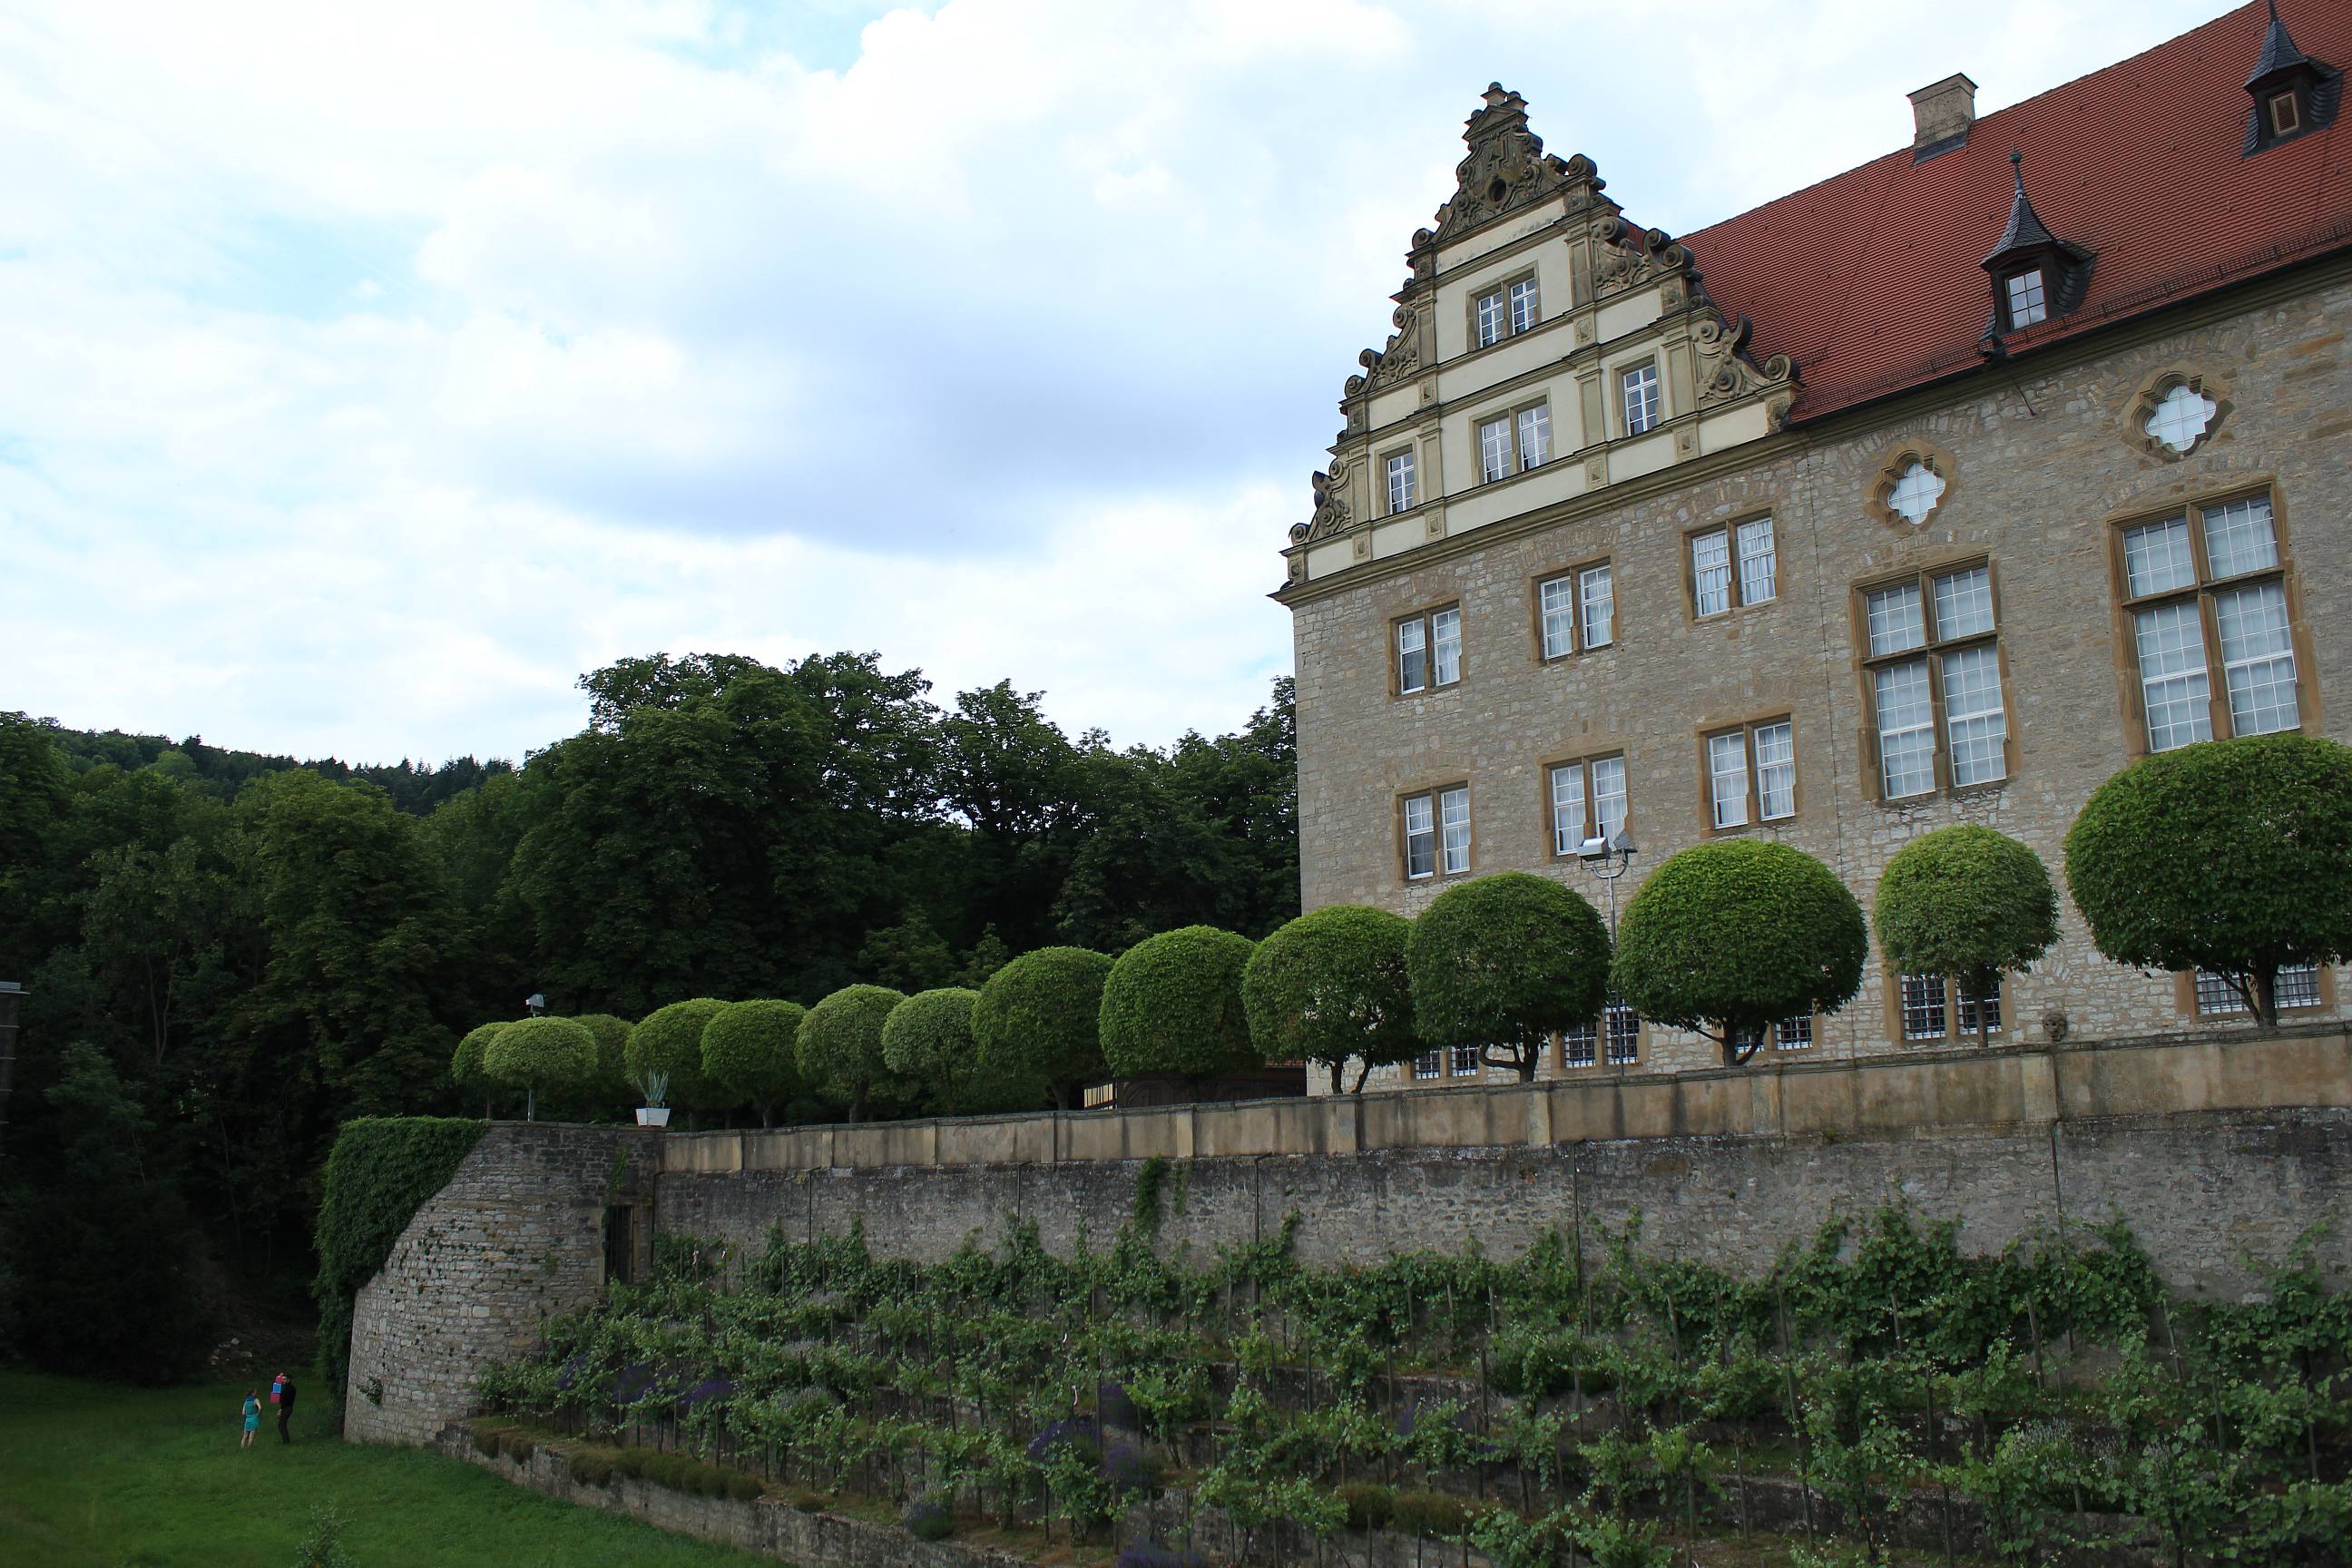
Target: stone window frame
1514, 461
1867, 664
1573, 573
1601, 749
1600, 1062
2153, 389
1618, 373
1891, 988
2043, 285
1406, 451
1437, 794
2125, 641
1502, 283
1427, 616
1746, 729
1735, 588
2184, 998
1877, 500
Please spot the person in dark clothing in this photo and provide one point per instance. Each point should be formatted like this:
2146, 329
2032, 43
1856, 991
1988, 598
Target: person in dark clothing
282, 1396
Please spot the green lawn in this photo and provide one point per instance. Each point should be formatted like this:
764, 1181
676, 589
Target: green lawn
96, 1476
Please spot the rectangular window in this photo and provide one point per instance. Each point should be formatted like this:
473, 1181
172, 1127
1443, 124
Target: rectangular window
1429, 650
1641, 398
1793, 1034
1969, 1006
1420, 838
1495, 448
2025, 302
1621, 1034
1768, 793
1464, 1060
1535, 435
1580, 1047
1523, 304
1429, 1065
1933, 664
1402, 496
1491, 318
2286, 115
1756, 573
1588, 799
1598, 596
1776, 771
1727, 766
1710, 573
1935, 1007
2231, 611
1557, 597
2297, 987
1454, 820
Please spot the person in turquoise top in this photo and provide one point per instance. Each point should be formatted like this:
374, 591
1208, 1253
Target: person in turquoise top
252, 1417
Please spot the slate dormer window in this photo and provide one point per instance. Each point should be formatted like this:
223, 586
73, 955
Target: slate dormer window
2035, 275
2292, 93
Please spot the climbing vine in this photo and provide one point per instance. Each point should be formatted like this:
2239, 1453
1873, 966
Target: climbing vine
380, 1173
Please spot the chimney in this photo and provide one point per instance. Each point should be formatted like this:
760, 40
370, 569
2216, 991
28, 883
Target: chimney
1942, 112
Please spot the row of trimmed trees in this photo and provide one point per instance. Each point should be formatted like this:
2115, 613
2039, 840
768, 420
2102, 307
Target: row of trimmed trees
2231, 857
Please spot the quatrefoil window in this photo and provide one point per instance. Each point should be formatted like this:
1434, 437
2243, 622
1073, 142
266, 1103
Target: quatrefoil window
1916, 492
2181, 420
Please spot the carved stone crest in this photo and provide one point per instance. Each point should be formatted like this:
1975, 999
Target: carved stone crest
1727, 372
1506, 168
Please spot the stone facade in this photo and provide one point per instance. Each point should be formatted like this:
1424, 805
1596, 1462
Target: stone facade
517, 1234
2041, 463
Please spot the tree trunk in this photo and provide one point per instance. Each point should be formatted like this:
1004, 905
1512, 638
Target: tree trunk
1337, 1067
1363, 1071
2265, 986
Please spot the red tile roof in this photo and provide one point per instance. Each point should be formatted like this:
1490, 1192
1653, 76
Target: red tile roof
1872, 280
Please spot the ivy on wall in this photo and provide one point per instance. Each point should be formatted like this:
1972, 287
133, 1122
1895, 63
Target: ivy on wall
382, 1171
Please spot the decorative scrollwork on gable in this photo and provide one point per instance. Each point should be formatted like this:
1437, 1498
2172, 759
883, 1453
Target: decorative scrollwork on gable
1400, 357
1727, 372
1506, 169
1331, 510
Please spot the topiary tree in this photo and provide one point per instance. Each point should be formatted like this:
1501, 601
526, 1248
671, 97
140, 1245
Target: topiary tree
667, 1042
1505, 961
1039, 1021
1332, 985
608, 1086
536, 1054
926, 1040
466, 1070
2232, 856
1728, 938
749, 1049
1968, 902
1172, 1004
839, 1046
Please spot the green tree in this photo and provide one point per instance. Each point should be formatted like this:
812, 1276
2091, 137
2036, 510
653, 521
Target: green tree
1172, 1004
1331, 986
908, 956
1504, 963
747, 1048
608, 1086
840, 1047
537, 1054
2232, 856
1038, 1020
1728, 938
926, 1040
469, 1068
1968, 902
667, 1042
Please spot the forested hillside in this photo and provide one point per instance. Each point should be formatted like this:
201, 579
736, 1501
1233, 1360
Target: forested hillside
229, 954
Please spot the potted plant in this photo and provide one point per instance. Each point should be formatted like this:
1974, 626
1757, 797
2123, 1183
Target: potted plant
653, 1112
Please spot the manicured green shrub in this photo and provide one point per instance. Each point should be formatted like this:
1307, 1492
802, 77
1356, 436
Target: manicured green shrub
608, 1087
536, 1055
747, 1050
1728, 938
520, 1446
632, 1462
1371, 1506
486, 1438
1430, 1513
928, 1519
1967, 902
592, 1468
1504, 963
1039, 1020
2233, 856
927, 1041
465, 1068
668, 1041
1332, 985
742, 1488
839, 1048
1172, 1004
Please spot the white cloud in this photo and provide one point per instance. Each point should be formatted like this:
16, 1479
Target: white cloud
376, 368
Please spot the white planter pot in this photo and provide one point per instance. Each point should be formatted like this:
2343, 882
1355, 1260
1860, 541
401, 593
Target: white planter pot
653, 1115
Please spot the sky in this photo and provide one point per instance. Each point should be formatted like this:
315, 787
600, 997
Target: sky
369, 371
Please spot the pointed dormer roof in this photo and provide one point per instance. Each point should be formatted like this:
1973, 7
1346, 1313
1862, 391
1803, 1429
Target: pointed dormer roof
2280, 57
2025, 231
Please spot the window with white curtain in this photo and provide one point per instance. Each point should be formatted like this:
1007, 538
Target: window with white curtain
1932, 661
2206, 589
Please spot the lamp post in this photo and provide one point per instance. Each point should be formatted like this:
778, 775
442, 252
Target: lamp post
12, 1003
536, 1004
1609, 858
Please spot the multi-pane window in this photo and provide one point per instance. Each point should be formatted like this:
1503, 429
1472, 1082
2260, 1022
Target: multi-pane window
1576, 609
1403, 492
1588, 800
1429, 1065
1523, 304
1464, 1060
1752, 774
1935, 1007
2180, 420
2026, 303
1794, 1034
1714, 585
1640, 388
1429, 650
1615, 1038
1916, 493
2297, 987
1436, 825
1512, 443
1934, 664
1535, 435
1492, 317
2203, 588
1495, 447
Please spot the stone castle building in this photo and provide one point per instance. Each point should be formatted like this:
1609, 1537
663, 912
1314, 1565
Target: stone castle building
1936, 492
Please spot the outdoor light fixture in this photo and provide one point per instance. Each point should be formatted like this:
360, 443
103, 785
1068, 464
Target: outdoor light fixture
12, 1004
537, 1002
1610, 857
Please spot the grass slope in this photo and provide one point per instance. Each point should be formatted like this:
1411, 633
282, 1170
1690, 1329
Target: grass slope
97, 1476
